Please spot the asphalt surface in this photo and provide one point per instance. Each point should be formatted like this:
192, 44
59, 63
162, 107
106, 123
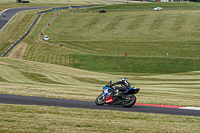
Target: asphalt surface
41, 101
11, 12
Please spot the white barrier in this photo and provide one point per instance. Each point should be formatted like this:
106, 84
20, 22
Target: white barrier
3, 11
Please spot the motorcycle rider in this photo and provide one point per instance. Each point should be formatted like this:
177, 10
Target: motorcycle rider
124, 85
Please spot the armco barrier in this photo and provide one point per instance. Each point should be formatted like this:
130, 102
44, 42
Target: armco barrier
53, 9
15, 43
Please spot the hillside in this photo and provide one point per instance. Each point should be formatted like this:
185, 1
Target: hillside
146, 36
30, 78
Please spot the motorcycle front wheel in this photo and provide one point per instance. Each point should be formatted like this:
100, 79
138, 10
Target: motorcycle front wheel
130, 101
100, 100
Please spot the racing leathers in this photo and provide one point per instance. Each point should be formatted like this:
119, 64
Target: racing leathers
124, 85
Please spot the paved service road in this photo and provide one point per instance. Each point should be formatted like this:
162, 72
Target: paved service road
28, 100
11, 12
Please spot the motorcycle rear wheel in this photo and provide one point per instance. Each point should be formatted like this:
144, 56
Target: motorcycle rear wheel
100, 100
130, 102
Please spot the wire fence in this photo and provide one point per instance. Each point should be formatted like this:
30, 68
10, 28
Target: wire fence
25, 34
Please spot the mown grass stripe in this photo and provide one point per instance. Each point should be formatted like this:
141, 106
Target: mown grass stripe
3, 80
39, 78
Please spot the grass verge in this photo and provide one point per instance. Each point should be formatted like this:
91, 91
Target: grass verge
17, 118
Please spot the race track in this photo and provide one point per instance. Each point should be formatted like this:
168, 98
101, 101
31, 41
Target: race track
28, 100
11, 12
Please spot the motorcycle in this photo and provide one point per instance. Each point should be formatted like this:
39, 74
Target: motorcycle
126, 99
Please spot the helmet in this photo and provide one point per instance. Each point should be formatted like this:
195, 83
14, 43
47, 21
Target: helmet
125, 79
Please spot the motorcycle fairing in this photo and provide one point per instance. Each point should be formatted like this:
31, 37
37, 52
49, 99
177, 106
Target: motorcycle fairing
109, 99
107, 94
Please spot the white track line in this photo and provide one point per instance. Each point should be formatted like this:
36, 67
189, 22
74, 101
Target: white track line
190, 108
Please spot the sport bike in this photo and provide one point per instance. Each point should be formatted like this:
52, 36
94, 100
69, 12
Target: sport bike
126, 98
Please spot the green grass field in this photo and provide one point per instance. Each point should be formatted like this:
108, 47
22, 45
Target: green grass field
115, 33
143, 48
65, 120
142, 33
77, 71
23, 77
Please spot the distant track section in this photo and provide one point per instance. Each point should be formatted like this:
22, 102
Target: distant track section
10, 13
